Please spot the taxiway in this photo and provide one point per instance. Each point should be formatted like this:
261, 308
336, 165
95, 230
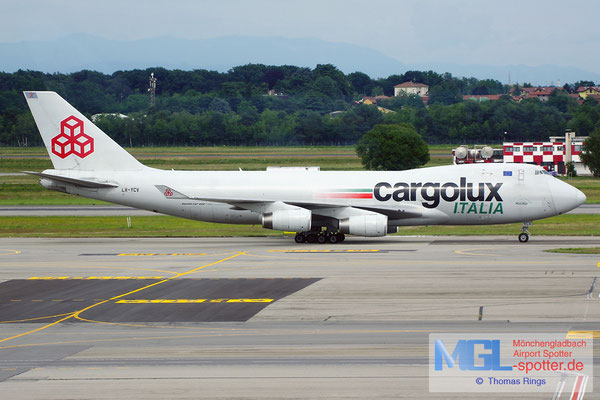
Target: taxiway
266, 318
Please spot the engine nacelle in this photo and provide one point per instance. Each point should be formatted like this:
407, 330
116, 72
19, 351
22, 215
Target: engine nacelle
296, 220
365, 225
52, 185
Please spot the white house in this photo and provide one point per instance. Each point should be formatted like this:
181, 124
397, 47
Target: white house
420, 89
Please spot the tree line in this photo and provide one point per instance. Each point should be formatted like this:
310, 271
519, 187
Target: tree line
305, 106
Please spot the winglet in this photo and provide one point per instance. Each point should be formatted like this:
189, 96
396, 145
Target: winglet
170, 193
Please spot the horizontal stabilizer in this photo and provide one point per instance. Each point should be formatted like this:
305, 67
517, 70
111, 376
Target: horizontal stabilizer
73, 181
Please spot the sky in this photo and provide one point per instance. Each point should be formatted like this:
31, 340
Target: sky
507, 32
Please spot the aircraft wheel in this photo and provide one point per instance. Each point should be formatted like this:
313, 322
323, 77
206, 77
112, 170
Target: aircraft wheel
523, 237
321, 239
341, 237
333, 239
300, 238
311, 238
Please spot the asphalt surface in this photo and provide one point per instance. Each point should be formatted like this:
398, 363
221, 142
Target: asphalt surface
107, 210
126, 318
171, 301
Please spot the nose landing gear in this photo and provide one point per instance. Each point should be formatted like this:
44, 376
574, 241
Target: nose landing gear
321, 237
524, 236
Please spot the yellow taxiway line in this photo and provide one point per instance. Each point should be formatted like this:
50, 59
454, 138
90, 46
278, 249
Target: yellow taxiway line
9, 252
583, 335
77, 314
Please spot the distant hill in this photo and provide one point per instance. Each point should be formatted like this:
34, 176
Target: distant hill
543, 75
77, 52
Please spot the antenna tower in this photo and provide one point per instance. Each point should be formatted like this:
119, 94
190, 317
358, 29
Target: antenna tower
152, 89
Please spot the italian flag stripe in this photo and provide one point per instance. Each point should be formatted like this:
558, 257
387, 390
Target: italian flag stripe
351, 190
346, 195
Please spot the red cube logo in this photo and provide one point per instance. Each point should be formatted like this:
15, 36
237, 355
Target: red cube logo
71, 126
83, 145
72, 139
62, 146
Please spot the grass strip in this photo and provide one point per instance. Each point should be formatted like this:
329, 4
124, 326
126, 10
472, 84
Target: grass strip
151, 226
444, 149
220, 157
575, 250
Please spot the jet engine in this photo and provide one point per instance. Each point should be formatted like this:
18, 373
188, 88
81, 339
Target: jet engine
296, 220
365, 225
53, 185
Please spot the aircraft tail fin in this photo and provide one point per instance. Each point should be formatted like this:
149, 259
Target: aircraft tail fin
73, 141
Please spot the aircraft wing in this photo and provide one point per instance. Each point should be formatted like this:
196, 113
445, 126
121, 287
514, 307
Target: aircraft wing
317, 208
86, 183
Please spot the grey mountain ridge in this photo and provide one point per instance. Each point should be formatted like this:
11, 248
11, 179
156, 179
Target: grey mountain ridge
76, 52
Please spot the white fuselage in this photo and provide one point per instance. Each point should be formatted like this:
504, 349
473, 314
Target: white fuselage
452, 195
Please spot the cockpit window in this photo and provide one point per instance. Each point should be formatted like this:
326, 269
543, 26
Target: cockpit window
541, 172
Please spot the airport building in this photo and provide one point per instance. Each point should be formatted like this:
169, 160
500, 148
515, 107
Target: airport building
553, 155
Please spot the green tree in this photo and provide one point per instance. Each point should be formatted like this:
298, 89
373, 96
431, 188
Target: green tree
186, 102
272, 75
248, 113
585, 118
249, 73
570, 166
274, 127
25, 132
339, 79
517, 90
299, 81
562, 101
392, 147
361, 83
326, 86
309, 127
388, 83
579, 84
591, 154
445, 93
219, 105
377, 91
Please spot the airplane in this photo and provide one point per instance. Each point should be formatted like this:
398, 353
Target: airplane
320, 206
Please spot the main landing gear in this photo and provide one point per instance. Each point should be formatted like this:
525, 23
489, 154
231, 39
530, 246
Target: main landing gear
524, 236
320, 237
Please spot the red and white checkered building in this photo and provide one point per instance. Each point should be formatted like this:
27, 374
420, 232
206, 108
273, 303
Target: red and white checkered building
550, 155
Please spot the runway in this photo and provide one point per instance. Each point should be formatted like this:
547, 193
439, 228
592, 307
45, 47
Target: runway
105, 210
267, 318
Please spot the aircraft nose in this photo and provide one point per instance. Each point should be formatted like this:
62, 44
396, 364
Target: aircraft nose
580, 197
566, 197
